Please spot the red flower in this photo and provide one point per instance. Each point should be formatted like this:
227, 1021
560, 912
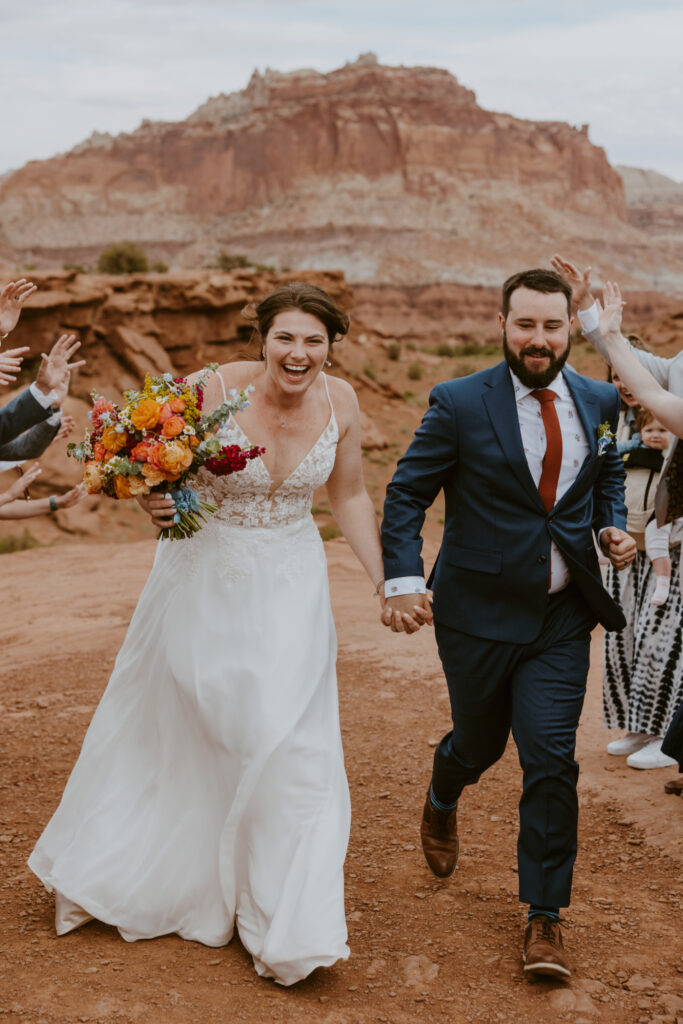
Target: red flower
232, 459
101, 406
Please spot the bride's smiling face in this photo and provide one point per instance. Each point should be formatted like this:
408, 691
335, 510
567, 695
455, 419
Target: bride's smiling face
295, 349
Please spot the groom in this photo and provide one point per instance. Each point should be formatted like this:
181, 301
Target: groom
525, 456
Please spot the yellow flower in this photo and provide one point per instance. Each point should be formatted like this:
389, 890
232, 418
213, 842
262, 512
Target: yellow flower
113, 441
146, 415
138, 485
122, 486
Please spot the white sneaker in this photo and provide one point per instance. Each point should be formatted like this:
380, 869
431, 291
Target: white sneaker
629, 743
650, 756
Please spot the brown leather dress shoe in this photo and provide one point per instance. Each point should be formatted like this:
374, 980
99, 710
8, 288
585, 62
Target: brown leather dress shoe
543, 949
439, 835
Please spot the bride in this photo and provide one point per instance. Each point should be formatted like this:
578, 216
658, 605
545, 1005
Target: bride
210, 790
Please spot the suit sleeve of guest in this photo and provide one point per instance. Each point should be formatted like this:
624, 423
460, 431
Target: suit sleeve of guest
608, 491
419, 477
31, 444
20, 414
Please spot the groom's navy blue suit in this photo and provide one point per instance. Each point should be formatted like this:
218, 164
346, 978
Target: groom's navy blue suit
514, 656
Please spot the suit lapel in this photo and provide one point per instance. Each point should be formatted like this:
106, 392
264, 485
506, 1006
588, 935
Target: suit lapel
499, 399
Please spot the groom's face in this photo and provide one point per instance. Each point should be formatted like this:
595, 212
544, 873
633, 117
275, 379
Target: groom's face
536, 335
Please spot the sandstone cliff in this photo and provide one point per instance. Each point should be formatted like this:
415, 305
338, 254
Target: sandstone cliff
392, 174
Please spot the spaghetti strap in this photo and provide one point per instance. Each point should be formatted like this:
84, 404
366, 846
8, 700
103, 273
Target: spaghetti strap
220, 377
327, 392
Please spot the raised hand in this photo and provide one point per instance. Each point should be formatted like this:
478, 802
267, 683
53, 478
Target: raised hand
12, 299
71, 497
611, 309
10, 364
67, 425
55, 368
580, 283
17, 489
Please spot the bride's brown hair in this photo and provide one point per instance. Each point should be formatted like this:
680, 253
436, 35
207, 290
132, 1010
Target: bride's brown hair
298, 295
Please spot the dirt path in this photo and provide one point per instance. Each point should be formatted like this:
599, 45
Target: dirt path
422, 950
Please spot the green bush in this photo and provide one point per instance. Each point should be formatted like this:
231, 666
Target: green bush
329, 531
463, 370
231, 261
370, 371
444, 349
122, 258
160, 267
17, 542
414, 371
394, 351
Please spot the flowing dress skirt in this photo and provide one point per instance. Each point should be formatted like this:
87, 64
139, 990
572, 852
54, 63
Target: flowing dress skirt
210, 789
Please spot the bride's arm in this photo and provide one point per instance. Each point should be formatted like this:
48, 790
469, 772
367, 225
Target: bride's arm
666, 407
349, 501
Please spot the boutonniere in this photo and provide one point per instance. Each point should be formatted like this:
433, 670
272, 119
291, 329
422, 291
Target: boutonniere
605, 437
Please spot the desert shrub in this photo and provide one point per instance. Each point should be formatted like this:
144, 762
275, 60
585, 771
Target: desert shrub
329, 531
160, 267
394, 351
463, 370
122, 258
231, 261
414, 371
17, 542
370, 371
444, 349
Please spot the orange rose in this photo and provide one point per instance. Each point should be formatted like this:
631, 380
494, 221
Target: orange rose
152, 474
140, 453
173, 426
194, 441
146, 415
174, 458
177, 404
165, 413
122, 486
138, 485
113, 441
101, 453
92, 477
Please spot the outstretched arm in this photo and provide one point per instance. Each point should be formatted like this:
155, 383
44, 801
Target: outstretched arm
667, 408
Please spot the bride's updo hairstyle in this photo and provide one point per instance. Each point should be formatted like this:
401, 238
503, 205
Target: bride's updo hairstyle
298, 295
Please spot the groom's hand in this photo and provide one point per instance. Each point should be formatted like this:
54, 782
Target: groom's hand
619, 547
406, 613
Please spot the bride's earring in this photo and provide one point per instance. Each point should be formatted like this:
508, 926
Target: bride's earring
328, 363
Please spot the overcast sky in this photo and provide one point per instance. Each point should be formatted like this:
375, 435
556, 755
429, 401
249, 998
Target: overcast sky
70, 67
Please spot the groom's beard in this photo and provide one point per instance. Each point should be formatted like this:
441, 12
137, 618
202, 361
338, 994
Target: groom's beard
531, 378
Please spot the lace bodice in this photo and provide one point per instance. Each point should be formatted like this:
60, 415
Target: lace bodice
247, 498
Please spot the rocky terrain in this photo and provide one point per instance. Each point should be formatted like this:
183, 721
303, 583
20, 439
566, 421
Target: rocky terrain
395, 175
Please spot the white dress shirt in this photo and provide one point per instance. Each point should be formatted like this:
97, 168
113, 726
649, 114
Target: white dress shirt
575, 448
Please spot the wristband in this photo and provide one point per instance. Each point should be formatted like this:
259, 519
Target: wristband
53, 503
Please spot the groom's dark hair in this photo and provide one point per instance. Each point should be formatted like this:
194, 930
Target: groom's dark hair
537, 280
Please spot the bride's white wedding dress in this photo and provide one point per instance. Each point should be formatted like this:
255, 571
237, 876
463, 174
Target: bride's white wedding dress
210, 790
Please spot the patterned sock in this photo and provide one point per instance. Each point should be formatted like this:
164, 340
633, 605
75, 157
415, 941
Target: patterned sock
551, 912
437, 805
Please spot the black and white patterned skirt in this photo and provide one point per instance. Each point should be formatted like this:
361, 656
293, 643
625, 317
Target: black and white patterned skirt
643, 680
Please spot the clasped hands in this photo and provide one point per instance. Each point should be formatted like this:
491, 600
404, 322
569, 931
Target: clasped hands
406, 613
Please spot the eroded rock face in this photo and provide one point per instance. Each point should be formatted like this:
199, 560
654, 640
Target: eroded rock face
392, 174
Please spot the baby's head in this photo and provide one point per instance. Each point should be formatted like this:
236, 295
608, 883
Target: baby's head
652, 433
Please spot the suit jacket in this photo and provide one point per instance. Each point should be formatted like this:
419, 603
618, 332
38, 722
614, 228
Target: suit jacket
669, 374
491, 576
31, 444
20, 414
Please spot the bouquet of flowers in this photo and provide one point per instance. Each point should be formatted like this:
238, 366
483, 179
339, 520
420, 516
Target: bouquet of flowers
157, 441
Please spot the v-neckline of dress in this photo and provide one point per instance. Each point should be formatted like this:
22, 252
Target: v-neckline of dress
273, 491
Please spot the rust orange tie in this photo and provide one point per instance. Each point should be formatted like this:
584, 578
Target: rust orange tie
552, 460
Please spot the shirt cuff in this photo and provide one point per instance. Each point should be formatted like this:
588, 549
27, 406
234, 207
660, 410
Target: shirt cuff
45, 400
589, 318
404, 585
55, 419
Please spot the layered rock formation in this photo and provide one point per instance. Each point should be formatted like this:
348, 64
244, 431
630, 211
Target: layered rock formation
393, 174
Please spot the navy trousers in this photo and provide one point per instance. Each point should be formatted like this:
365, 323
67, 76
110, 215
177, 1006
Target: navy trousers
537, 690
